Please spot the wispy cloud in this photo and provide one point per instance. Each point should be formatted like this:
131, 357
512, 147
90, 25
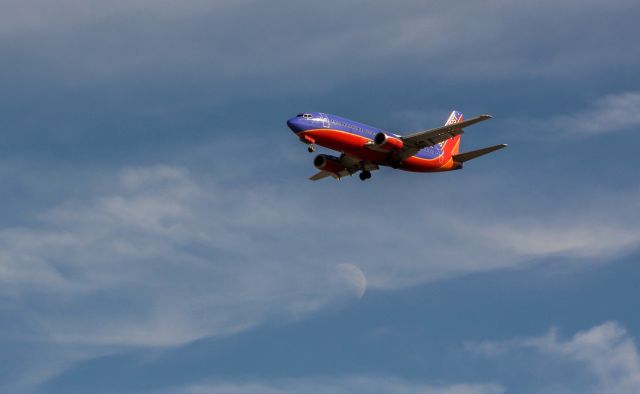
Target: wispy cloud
612, 113
164, 260
350, 384
607, 351
161, 255
167, 256
577, 238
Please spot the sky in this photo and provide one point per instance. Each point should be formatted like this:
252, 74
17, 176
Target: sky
158, 233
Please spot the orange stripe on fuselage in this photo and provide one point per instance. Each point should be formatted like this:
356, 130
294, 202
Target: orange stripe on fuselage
353, 145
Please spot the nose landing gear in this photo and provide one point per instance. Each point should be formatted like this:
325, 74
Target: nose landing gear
364, 175
311, 148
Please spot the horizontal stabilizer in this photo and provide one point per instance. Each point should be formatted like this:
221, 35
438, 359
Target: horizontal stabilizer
462, 157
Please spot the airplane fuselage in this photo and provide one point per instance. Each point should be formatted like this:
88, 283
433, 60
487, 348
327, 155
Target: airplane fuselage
351, 138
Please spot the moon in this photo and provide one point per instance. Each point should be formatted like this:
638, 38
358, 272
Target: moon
354, 277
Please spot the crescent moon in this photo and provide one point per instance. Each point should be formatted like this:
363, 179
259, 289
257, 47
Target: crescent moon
354, 277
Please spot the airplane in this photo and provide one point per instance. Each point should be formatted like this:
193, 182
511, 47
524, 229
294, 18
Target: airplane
365, 148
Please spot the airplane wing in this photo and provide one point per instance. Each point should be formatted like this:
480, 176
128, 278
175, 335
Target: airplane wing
422, 139
321, 175
351, 166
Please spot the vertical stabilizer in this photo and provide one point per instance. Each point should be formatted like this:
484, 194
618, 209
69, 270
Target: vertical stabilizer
451, 146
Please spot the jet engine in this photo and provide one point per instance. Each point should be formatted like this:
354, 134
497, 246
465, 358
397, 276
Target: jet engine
387, 143
328, 163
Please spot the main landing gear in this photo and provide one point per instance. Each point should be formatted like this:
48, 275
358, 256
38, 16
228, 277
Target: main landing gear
364, 175
311, 148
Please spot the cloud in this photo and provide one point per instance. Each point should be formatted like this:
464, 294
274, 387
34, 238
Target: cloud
607, 351
575, 238
160, 255
350, 384
191, 39
163, 259
612, 113
163, 255
140, 75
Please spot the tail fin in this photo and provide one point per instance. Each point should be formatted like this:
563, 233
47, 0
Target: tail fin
455, 117
452, 146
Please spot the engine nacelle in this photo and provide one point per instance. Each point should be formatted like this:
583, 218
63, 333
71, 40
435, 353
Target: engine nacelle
387, 143
328, 163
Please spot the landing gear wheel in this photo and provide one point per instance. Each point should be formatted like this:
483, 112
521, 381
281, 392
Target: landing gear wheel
364, 175
311, 148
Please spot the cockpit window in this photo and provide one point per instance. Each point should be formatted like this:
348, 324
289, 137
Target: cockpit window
307, 116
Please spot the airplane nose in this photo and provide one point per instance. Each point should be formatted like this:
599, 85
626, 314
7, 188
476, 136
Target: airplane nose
294, 125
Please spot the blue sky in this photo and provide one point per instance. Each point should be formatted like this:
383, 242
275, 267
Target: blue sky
159, 233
